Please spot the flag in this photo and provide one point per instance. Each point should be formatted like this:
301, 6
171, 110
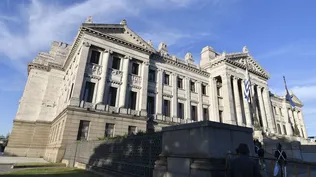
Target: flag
288, 97
247, 86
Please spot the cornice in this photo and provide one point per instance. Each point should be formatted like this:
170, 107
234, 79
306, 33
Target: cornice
168, 60
43, 67
74, 48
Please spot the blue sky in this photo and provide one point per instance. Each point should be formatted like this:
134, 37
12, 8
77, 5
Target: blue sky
279, 34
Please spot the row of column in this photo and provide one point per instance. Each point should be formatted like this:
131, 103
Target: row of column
174, 100
233, 110
102, 90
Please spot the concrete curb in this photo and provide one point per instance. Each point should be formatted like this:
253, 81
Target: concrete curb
15, 166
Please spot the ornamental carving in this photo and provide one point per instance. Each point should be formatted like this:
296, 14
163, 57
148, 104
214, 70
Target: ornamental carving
251, 65
115, 75
94, 69
135, 80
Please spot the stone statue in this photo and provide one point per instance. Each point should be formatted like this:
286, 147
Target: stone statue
89, 20
245, 49
189, 58
150, 43
163, 49
123, 22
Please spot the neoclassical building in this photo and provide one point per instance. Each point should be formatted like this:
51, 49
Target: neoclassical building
109, 81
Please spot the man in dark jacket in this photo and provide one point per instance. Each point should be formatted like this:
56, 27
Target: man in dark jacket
243, 166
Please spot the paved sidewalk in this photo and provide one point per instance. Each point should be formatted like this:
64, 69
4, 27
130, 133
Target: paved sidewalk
12, 160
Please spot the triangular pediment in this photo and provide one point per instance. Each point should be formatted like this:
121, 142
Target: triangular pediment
295, 99
121, 32
241, 59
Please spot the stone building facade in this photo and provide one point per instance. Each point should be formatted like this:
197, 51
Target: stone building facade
109, 81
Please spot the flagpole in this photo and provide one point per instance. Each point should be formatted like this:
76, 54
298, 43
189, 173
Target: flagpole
252, 103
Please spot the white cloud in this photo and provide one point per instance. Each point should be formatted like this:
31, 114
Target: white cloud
305, 93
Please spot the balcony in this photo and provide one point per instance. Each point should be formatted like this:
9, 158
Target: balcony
134, 80
115, 75
93, 69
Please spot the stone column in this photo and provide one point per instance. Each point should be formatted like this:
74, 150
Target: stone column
159, 90
143, 92
200, 105
254, 100
229, 111
174, 112
76, 93
101, 86
287, 117
237, 102
247, 107
262, 110
268, 108
213, 100
188, 93
300, 115
122, 100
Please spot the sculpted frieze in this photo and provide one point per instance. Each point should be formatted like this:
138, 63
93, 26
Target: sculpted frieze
135, 80
94, 69
115, 75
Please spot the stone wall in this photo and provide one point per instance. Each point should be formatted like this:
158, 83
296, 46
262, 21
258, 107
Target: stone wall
28, 139
132, 156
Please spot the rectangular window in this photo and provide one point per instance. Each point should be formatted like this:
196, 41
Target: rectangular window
166, 79
166, 108
152, 75
205, 114
284, 128
116, 63
192, 84
131, 130
220, 116
180, 83
72, 87
112, 96
193, 113
281, 111
151, 105
109, 130
203, 89
133, 99
88, 92
180, 110
135, 68
95, 57
83, 130
275, 110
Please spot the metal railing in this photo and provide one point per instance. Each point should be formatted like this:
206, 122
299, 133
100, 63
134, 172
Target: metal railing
293, 168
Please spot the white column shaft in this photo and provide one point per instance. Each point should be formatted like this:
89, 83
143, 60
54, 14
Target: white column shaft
159, 97
268, 108
123, 93
237, 102
174, 96
188, 93
200, 105
101, 86
229, 111
78, 84
144, 89
213, 100
262, 109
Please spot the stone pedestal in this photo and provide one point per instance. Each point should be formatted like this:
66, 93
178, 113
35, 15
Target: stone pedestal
199, 149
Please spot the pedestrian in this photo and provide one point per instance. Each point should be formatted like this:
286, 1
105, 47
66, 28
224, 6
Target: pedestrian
260, 153
280, 165
243, 165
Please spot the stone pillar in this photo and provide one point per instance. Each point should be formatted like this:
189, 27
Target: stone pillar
101, 86
122, 100
262, 110
268, 108
174, 112
237, 102
159, 94
287, 117
254, 100
246, 106
188, 93
76, 94
229, 111
300, 115
143, 92
213, 100
200, 105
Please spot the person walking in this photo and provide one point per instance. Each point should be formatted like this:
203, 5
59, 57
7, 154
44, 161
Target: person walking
243, 166
260, 153
280, 165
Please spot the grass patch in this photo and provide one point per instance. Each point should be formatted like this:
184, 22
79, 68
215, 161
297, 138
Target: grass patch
50, 172
38, 164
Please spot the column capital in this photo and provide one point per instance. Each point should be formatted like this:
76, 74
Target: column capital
146, 63
127, 57
86, 44
235, 78
214, 79
226, 75
159, 69
174, 74
108, 51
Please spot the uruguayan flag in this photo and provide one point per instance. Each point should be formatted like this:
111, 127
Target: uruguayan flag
288, 97
247, 87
